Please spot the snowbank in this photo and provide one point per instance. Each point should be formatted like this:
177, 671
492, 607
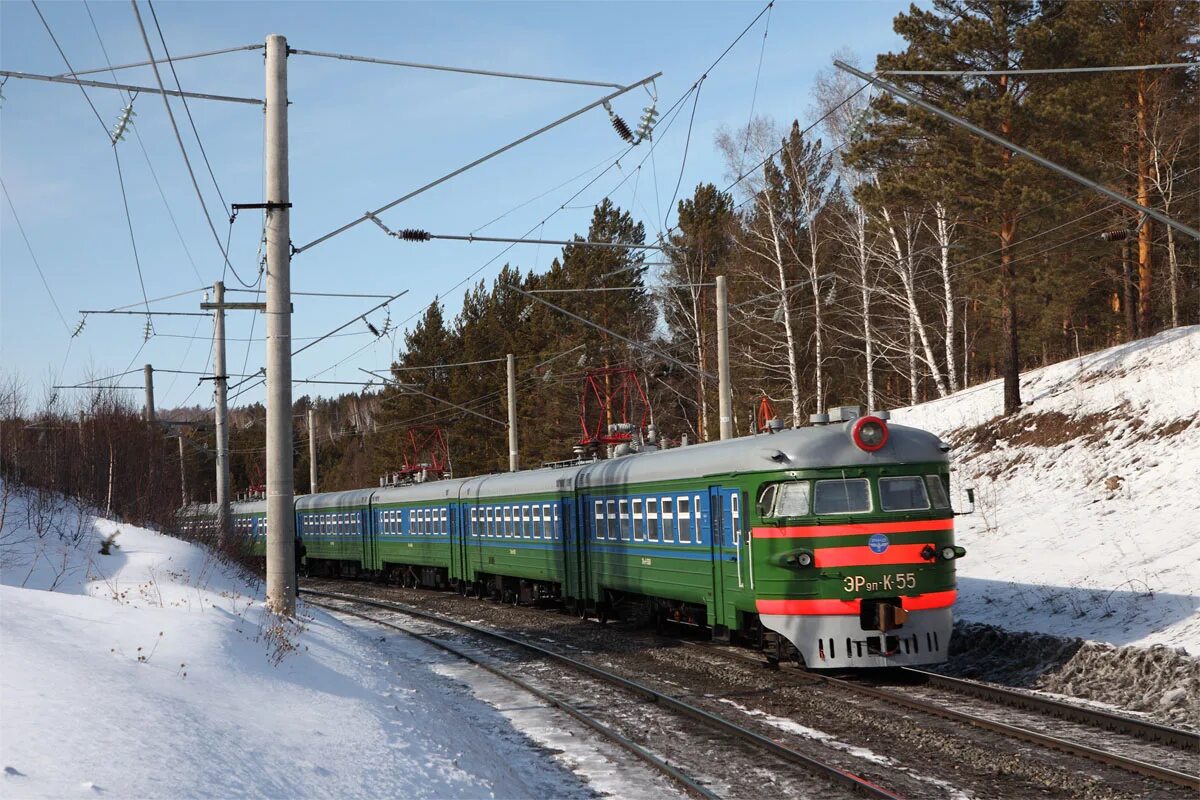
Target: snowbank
1087, 516
155, 672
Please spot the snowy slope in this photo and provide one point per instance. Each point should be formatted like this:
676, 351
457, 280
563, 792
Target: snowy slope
152, 672
1087, 519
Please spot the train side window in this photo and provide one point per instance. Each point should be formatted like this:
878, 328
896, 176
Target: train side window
623, 510
786, 499
430, 522
937, 491
848, 496
639, 522
557, 523
506, 518
736, 509
699, 531
612, 519
651, 519
668, 520
903, 494
527, 527
537, 522
601, 523
473, 531
684, 514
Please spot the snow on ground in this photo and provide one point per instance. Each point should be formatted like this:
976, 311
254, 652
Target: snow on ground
155, 672
1087, 515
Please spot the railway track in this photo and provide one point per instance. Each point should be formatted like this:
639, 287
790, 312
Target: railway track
1118, 723
714, 723
1179, 739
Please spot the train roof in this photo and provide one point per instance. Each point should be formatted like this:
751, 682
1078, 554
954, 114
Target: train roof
799, 448
815, 447
245, 507
419, 492
351, 498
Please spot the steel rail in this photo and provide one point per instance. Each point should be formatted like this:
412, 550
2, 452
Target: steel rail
1119, 723
1073, 748
1129, 764
645, 755
839, 776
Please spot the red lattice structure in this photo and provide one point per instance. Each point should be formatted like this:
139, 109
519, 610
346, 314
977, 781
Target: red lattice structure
763, 414
425, 450
612, 407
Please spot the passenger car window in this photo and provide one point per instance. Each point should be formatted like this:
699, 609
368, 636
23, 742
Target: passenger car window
903, 494
937, 491
842, 496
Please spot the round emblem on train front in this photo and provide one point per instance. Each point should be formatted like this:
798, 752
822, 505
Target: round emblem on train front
878, 543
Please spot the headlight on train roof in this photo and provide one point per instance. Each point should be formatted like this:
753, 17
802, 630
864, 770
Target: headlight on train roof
869, 433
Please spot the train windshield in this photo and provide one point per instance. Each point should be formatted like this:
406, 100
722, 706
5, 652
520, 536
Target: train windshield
787, 499
903, 494
842, 496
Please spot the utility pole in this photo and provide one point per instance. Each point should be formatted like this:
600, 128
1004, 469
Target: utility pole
220, 395
148, 371
724, 391
281, 565
312, 450
513, 461
220, 401
182, 473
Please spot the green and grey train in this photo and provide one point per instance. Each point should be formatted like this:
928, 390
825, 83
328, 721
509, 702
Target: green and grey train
837, 538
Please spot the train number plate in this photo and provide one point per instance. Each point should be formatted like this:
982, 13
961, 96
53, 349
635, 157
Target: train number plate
891, 582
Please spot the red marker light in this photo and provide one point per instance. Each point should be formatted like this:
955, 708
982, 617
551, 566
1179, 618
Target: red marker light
869, 433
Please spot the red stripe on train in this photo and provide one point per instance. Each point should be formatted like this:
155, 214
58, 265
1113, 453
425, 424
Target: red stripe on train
863, 556
922, 602
810, 531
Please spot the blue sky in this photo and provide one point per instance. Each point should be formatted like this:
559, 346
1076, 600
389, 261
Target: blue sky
361, 135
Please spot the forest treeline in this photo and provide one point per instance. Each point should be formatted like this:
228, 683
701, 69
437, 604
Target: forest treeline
877, 257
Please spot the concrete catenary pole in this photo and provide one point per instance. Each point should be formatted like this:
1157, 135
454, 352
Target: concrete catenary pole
724, 390
513, 460
221, 415
148, 371
281, 567
312, 450
182, 473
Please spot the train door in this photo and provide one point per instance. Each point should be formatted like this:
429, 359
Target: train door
564, 508
366, 518
581, 530
716, 528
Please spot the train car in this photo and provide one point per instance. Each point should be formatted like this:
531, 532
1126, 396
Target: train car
336, 531
411, 530
835, 538
250, 523
514, 543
